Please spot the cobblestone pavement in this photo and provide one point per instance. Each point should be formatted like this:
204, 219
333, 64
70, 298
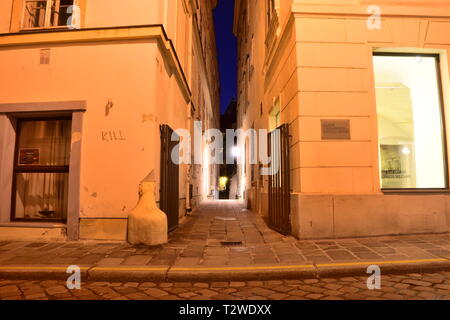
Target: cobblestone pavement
434, 286
198, 243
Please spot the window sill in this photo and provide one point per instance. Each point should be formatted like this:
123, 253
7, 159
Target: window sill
30, 30
55, 225
415, 191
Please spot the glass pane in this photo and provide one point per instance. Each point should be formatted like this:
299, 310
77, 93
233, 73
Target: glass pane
34, 14
60, 16
41, 196
44, 143
409, 122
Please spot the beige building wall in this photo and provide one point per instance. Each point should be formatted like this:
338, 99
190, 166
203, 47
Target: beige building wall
134, 68
318, 66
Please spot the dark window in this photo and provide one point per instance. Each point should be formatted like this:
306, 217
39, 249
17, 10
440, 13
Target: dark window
41, 169
47, 13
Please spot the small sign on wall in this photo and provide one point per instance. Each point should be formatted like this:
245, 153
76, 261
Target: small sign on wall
336, 130
28, 156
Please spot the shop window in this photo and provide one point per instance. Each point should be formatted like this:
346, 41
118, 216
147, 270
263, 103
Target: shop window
410, 121
47, 13
41, 170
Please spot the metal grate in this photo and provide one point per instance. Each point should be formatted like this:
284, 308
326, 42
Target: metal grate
279, 181
231, 243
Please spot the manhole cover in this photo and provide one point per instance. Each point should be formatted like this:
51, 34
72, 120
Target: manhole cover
225, 219
231, 243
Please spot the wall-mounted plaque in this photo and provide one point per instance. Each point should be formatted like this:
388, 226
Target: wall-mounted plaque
335, 129
28, 156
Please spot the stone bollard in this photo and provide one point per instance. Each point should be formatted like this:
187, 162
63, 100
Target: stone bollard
146, 223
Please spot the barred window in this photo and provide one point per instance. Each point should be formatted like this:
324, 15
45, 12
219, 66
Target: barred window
48, 13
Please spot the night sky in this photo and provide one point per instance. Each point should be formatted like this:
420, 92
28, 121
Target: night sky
227, 51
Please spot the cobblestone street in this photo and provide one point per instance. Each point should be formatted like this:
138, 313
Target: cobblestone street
434, 286
202, 242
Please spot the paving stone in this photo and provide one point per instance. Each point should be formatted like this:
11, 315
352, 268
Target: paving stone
298, 293
314, 296
138, 296
125, 290
295, 298
237, 284
206, 292
154, 292
417, 282
166, 285
187, 295
35, 296
201, 285
56, 290
9, 289
283, 289
219, 284
333, 286
110, 261
137, 260
261, 291
407, 292
443, 286
427, 295
311, 281
147, 285
131, 284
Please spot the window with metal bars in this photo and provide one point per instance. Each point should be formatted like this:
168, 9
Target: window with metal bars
48, 13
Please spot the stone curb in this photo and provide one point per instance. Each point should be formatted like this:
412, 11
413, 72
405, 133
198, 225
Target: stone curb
128, 274
226, 273
38, 272
247, 274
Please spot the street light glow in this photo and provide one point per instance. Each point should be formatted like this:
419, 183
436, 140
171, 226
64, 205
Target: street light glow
236, 152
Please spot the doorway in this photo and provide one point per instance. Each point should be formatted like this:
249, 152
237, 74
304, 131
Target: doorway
169, 193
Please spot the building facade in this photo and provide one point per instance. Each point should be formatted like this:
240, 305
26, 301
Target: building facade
90, 92
363, 88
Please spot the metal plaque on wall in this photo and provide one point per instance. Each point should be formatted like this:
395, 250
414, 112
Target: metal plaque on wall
336, 130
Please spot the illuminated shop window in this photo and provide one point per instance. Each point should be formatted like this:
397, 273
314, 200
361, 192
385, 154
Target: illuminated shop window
41, 170
410, 121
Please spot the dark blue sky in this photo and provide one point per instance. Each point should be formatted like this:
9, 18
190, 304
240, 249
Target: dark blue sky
227, 51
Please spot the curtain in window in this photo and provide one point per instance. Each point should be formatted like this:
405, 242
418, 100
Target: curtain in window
42, 169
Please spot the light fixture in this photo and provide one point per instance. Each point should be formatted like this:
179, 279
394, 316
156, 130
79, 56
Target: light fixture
223, 183
406, 151
236, 152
